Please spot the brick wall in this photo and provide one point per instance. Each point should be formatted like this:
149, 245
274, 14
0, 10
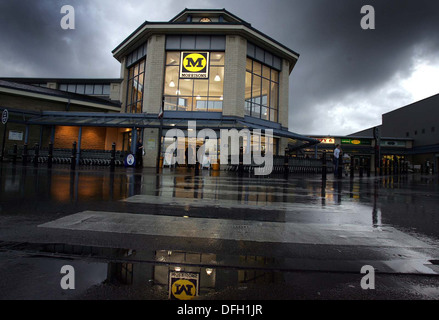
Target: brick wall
92, 138
234, 76
154, 74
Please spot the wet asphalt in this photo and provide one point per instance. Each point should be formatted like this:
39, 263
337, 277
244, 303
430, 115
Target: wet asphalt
245, 237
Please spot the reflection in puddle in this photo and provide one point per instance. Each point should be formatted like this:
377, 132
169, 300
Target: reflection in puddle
166, 270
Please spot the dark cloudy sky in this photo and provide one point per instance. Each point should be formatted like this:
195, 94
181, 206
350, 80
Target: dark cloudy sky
345, 79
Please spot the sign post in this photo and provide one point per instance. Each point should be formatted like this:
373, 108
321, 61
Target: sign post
377, 137
5, 118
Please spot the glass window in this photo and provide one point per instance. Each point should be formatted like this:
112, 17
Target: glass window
264, 113
265, 92
261, 93
135, 88
266, 72
217, 59
171, 80
186, 87
256, 89
98, 89
215, 104
200, 88
274, 94
107, 89
274, 75
249, 66
63, 87
201, 105
256, 111
183, 104
89, 89
198, 94
171, 103
216, 81
173, 59
71, 88
257, 68
80, 88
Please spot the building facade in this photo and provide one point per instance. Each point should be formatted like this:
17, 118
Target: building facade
208, 66
204, 66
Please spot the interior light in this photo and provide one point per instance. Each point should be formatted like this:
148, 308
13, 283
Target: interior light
198, 97
209, 271
221, 98
178, 269
172, 84
177, 92
217, 78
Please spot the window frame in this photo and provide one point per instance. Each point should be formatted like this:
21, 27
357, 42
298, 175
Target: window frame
131, 101
190, 100
251, 103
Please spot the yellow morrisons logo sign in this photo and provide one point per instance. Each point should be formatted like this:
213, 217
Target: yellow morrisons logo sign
194, 65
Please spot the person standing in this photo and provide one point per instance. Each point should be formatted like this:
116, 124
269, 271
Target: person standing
337, 152
139, 154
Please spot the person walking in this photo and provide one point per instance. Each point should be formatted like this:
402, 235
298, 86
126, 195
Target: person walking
337, 152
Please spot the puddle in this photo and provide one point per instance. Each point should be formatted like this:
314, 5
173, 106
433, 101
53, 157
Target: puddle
114, 273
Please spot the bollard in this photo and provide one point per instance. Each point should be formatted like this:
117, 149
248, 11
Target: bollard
14, 155
50, 156
361, 167
286, 159
113, 157
352, 167
241, 161
324, 166
368, 167
36, 154
73, 157
24, 154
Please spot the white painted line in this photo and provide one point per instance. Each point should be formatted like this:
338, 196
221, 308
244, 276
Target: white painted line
239, 230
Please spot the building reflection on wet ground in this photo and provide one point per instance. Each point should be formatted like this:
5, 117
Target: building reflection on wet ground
35, 196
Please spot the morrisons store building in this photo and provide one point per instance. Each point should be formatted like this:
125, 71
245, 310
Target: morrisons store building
207, 66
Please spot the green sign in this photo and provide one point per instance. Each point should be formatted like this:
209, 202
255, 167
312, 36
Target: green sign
357, 142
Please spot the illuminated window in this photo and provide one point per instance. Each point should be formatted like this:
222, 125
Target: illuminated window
261, 91
194, 94
136, 75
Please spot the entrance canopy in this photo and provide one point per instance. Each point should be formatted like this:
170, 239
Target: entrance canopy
171, 120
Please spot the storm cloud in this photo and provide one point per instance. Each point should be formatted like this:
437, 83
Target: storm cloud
345, 79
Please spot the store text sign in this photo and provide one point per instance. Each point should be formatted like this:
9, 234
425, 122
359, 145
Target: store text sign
194, 65
327, 140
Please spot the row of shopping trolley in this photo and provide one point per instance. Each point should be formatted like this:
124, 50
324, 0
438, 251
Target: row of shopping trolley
64, 156
295, 165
